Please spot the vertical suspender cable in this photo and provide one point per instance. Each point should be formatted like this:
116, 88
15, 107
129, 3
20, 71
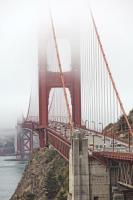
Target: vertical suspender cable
112, 80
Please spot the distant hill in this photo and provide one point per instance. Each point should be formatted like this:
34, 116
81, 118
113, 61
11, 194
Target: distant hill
7, 138
7, 132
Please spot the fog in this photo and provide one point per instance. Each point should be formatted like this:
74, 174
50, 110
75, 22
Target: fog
19, 21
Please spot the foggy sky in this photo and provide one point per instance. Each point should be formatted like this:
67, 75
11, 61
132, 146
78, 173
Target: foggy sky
18, 51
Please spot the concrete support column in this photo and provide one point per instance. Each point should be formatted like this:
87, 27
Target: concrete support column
78, 168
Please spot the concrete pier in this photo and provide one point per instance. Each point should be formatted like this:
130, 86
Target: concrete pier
78, 168
88, 178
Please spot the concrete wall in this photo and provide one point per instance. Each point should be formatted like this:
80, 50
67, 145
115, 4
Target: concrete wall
99, 180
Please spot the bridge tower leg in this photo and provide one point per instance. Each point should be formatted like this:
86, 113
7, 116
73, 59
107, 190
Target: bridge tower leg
51, 79
78, 168
43, 92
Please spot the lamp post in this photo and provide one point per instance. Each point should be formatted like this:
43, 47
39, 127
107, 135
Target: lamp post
93, 135
93, 140
56, 119
94, 125
112, 133
86, 123
64, 119
60, 119
103, 133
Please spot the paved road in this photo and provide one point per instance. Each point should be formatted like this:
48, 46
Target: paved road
93, 138
98, 141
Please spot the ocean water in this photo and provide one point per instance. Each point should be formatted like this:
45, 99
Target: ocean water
10, 175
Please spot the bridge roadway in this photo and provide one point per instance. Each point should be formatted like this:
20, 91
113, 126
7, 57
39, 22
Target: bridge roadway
59, 137
96, 140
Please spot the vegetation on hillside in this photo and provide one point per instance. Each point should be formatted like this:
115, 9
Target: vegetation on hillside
45, 178
120, 127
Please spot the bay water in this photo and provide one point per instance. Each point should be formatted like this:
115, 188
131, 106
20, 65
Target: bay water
10, 175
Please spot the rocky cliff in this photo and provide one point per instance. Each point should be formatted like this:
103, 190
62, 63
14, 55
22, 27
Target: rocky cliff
45, 177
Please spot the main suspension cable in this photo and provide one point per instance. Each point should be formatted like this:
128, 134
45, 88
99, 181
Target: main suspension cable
28, 108
61, 72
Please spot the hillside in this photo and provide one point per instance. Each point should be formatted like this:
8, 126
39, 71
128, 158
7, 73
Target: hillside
45, 178
120, 127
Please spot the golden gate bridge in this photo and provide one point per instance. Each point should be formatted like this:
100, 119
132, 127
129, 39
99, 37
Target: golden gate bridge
77, 92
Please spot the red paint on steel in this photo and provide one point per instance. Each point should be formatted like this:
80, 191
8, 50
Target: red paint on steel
43, 92
24, 142
59, 143
115, 155
49, 80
